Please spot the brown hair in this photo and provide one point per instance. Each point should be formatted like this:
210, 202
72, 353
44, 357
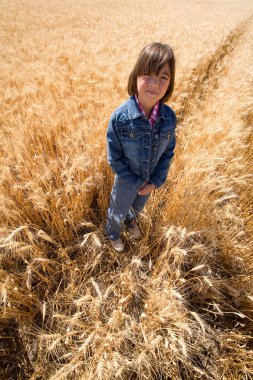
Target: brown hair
152, 58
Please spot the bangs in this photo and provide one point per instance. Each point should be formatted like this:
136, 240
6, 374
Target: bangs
153, 61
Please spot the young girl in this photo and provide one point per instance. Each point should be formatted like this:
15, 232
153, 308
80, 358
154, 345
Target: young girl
141, 140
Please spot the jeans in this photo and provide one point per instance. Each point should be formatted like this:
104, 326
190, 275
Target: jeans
125, 205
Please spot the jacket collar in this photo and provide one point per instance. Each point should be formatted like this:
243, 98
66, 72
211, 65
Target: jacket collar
134, 112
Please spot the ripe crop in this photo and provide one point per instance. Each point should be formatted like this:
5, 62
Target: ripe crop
178, 304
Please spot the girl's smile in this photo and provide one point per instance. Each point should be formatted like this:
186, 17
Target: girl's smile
152, 88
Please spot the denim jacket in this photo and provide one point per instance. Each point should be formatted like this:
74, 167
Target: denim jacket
137, 152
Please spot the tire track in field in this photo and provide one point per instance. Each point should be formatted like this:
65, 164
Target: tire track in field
205, 75
199, 83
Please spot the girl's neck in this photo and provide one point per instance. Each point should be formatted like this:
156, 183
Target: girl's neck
147, 110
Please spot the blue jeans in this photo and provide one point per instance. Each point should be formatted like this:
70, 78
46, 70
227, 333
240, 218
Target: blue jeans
125, 205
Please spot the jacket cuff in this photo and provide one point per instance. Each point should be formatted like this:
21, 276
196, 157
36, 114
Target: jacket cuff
155, 181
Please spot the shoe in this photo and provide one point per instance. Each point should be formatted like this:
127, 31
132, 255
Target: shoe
134, 231
118, 245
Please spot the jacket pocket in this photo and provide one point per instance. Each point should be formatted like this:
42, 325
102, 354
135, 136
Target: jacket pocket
130, 138
130, 133
165, 135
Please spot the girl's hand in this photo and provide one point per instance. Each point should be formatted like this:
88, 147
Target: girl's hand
146, 189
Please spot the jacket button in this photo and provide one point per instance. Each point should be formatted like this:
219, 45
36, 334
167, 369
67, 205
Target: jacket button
155, 148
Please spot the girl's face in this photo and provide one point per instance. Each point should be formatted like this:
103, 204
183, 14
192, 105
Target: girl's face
152, 88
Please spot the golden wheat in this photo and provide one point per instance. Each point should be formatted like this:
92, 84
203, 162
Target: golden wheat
179, 303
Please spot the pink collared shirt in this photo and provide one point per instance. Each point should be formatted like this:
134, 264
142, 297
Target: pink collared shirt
154, 114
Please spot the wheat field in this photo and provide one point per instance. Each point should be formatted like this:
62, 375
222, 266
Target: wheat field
178, 304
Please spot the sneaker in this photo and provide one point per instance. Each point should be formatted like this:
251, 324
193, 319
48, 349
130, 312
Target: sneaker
134, 231
118, 245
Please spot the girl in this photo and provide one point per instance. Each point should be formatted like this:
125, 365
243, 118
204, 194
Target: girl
141, 140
